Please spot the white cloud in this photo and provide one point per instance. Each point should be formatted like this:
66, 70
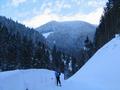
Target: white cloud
45, 6
47, 11
66, 6
17, 2
79, 2
96, 3
41, 19
47, 16
34, 1
59, 5
93, 17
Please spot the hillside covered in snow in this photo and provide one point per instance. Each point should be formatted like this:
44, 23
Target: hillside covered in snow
32, 79
101, 72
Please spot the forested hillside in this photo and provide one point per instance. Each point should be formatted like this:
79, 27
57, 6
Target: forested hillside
25, 48
109, 24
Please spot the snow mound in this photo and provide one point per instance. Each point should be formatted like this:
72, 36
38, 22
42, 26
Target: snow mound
32, 79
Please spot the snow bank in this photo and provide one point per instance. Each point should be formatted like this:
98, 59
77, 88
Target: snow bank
32, 79
101, 72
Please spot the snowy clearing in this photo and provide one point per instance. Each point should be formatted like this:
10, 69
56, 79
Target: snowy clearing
47, 34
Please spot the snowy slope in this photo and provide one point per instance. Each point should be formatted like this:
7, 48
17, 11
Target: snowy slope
46, 34
32, 79
101, 72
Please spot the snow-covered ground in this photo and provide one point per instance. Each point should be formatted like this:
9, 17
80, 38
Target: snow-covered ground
101, 72
47, 34
32, 79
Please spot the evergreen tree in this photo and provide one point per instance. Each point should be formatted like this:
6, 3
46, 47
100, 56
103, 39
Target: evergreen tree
88, 47
46, 59
109, 24
4, 37
54, 58
26, 53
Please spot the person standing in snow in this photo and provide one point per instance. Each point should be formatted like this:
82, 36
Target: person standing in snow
57, 74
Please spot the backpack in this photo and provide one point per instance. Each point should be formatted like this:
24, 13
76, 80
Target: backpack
57, 74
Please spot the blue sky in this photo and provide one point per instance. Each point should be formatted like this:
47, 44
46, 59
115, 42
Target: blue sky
34, 13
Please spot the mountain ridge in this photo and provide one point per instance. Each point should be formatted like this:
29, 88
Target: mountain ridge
67, 36
54, 24
15, 27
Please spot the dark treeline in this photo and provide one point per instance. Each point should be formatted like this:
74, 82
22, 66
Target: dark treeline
107, 29
18, 51
109, 23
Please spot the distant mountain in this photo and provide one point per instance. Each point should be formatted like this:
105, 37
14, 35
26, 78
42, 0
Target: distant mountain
68, 36
48, 27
